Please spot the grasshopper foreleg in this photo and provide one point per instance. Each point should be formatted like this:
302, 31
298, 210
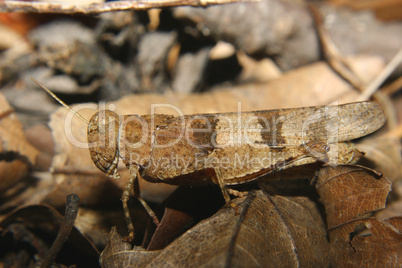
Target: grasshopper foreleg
124, 199
133, 183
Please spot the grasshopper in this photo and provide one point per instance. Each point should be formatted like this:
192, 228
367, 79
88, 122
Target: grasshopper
224, 148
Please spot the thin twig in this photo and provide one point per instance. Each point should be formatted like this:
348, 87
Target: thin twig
338, 63
391, 66
393, 87
65, 229
335, 60
96, 8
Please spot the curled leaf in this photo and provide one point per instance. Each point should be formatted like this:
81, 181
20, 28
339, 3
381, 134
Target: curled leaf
16, 154
350, 192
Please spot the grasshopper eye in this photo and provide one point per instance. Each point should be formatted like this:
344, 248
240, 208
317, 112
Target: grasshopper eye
103, 134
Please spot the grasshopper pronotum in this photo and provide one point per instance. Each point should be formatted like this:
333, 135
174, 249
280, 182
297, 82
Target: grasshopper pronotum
225, 148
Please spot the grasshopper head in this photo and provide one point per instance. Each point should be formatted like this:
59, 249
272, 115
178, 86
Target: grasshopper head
103, 135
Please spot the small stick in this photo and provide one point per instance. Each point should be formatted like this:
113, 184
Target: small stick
65, 229
393, 87
96, 8
392, 65
334, 58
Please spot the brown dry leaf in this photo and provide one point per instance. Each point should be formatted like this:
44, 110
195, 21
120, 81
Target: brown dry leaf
94, 191
11, 172
40, 137
394, 205
29, 191
263, 231
119, 254
182, 210
349, 194
315, 84
366, 242
16, 154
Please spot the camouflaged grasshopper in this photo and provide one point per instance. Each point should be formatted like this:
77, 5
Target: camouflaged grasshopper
225, 148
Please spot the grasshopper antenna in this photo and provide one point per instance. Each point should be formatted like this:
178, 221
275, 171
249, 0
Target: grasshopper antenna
59, 100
